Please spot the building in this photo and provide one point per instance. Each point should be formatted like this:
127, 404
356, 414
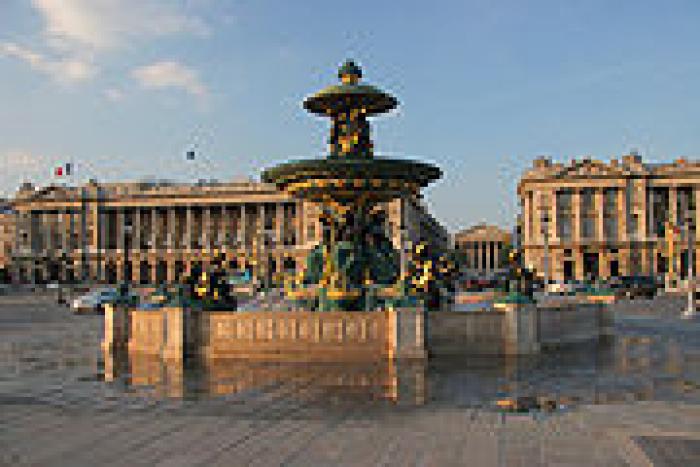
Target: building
483, 249
153, 232
7, 239
588, 219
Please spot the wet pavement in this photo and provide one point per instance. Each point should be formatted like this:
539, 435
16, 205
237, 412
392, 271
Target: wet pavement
51, 366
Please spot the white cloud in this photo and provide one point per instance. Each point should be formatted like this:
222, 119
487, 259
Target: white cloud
105, 24
170, 74
17, 166
114, 94
64, 70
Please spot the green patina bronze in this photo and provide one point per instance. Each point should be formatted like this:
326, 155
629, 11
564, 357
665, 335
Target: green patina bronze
355, 266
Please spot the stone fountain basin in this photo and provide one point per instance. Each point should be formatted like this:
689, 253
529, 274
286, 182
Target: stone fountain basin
350, 179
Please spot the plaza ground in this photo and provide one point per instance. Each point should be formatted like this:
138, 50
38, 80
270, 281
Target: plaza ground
636, 403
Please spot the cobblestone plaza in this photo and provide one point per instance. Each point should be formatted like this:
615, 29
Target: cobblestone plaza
620, 403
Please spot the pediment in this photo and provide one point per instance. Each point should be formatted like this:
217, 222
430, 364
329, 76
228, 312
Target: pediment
482, 232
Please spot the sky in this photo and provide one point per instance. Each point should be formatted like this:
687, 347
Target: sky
124, 88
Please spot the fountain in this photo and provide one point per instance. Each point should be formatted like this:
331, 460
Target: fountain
356, 301
355, 266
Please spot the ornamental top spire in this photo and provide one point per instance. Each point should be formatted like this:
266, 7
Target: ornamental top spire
348, 104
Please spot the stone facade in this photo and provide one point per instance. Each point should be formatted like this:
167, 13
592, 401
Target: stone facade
154, 232
7, 239
483, 249
588, 219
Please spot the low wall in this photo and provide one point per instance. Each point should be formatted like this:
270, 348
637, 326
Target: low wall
571, 323
515, 329
452, 332
297, 335
268, 335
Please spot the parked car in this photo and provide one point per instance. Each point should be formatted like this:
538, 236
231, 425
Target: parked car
560, 287
635, 286
95, 300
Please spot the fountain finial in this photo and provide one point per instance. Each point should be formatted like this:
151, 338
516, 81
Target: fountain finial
349, 72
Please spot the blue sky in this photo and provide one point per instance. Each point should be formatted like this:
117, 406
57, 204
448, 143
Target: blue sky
124, 87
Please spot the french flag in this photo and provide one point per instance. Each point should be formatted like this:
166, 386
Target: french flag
62, 170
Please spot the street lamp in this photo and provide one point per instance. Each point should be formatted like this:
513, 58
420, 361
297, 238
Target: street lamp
263, 273
544, 227
690, 236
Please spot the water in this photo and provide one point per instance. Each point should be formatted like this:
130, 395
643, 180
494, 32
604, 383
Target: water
50, 356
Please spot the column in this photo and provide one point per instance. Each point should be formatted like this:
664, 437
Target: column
279, 227
600, 219
553, 216
576, 208
651, 230
121, 223
206, 228
673, 217
47, 231
223, 227
64, 234
71, 230
673, 205
172, 228
697, 228
102, 243
622, 214
482, 256
497, 255
137, 230
242, 227
121, 250
527, 215
299, 223
154, 229
577, 254
188, 228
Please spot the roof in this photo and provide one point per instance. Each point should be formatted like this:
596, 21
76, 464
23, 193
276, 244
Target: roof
482, 232
629, 166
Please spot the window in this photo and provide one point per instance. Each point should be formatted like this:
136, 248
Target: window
564, 214
588, 213
610, 214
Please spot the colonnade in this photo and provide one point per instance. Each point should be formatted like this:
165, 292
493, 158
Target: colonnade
485, 256
108, 242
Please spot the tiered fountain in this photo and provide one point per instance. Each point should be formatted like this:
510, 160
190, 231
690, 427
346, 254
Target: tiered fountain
355, 266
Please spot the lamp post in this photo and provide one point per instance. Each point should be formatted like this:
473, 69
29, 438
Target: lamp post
690, 236
544, 223
83, 236
263, 273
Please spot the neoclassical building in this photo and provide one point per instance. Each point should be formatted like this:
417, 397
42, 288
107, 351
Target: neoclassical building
153, 232
591, 219
483, 249
7, 238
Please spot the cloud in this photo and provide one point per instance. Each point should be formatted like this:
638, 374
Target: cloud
19, 166
106, 24
63, 70
170, 74
114, 94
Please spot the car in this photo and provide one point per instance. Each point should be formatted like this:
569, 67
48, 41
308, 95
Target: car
635, 286
560, 287
95, 300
